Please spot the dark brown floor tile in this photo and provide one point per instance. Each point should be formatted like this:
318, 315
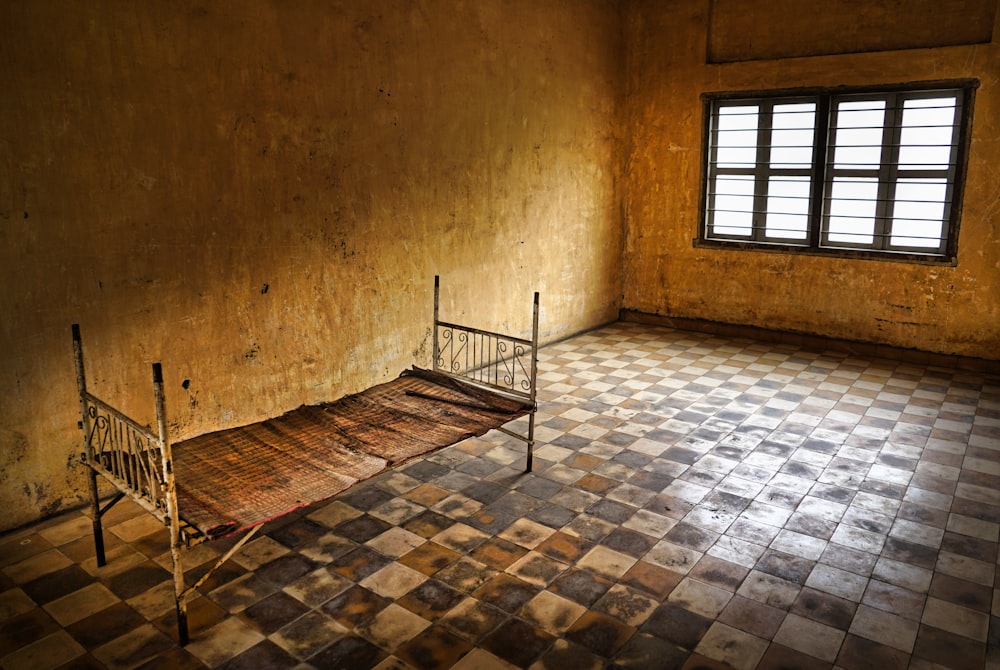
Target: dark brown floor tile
583, 461
431, 599
361, 528
961, 592
611, 511
53, 585
950, 650
498, 553
596, 483
670, 506
787, 566
852, 560
686, 535
202, 614
491, 521
428, 523
274, 612
910, 552
365, 498
348, 652
644, 651
174, 659
286, 569
976, 509
221, 576
923, 514
137, 579
629, 542
435, 648
564, 547
581, 586
427, 494
811, 525
152, 545
358, 563
429, 558
652, 579
718, 572
552, 515
537, 569
264, 655
752, 616
600, 633
973, 547
103, 626
465, 574
506, 592
355, 606
699, 662
779, 657
825, 608
891, 598
678, 625
299, 532
517, 642
472, 619
651, 481
858, 653
22, 630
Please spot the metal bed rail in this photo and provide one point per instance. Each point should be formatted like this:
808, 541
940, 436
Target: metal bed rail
504, 364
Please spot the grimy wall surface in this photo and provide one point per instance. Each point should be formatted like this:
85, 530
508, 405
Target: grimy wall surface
757, 46
258, 195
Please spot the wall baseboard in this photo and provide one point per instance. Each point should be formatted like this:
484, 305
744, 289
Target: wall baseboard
865, 349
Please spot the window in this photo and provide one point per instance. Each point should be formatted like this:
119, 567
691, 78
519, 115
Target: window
870, 173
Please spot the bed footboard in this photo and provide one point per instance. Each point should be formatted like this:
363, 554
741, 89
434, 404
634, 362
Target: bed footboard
138, 462
502, 364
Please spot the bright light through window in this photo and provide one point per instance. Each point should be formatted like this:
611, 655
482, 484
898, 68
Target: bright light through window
874, 171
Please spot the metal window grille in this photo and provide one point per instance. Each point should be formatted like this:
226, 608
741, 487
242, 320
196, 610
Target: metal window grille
832, 171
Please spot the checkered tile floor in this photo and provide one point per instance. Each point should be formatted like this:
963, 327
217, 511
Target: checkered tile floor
696, 502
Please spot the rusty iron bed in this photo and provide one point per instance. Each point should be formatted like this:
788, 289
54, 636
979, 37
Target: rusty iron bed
233, 481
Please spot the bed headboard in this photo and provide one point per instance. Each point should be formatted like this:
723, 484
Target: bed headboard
501, 363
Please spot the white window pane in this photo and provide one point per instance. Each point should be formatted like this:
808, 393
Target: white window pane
926, 134
742, 117
732, 204
918, 212
791, 148
858, 135
787, 207
853, 203
794, 115
858, 148
737, 136
792, 135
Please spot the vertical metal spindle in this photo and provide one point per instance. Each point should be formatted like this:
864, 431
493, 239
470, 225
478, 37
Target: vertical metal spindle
172, 510
85, 427
437, 289
534, 378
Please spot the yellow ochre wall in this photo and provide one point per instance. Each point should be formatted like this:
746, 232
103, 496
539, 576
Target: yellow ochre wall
757, 46
258, 194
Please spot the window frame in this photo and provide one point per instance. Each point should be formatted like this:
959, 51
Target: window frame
822, 171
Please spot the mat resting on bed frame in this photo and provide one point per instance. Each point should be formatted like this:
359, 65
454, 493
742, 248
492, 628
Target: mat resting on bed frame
233, 481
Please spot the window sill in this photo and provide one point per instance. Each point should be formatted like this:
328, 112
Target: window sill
845, 254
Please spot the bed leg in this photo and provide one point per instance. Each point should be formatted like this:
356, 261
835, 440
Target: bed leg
531, 440
95, 512
182, 622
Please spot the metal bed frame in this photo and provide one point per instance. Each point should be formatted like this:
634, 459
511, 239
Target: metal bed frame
138, 460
